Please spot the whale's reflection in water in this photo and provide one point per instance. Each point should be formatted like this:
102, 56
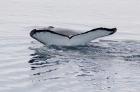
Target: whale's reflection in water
104, 65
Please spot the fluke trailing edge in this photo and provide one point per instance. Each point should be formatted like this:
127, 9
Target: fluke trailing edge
68, 37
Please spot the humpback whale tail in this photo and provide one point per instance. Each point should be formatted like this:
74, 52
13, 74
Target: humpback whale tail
66, 37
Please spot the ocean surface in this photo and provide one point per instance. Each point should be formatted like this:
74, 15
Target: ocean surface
108, 64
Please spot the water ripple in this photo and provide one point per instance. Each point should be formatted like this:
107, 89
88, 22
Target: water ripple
95, 66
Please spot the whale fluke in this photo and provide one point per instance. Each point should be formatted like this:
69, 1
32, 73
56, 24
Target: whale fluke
67, 37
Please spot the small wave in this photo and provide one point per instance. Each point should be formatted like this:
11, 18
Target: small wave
49, 59
95, 65
101, 49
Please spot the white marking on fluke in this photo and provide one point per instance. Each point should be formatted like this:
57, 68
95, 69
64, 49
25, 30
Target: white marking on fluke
67, 37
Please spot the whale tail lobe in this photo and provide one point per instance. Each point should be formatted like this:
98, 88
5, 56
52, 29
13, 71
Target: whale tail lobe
49, 37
